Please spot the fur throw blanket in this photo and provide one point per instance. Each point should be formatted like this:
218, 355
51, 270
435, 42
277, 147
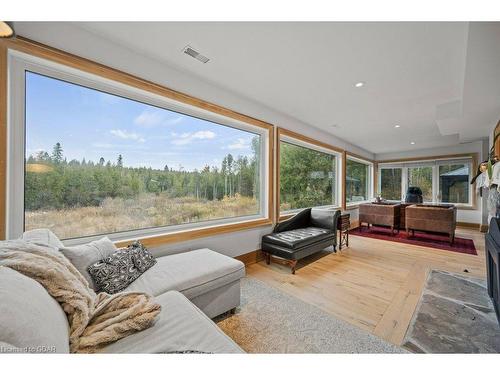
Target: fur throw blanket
95, 320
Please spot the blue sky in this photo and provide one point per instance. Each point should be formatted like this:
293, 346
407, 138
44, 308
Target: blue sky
90, 124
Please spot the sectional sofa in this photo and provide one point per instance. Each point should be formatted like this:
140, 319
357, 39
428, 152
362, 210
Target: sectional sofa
191, 287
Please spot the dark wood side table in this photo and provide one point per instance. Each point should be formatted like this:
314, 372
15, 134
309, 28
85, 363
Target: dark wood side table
343, 226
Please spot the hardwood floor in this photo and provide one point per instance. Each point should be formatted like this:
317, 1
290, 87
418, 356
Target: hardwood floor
373, 284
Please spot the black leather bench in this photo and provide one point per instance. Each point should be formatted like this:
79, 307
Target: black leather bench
306, 233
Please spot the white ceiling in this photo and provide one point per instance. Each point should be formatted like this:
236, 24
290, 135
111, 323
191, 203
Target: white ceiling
439, 81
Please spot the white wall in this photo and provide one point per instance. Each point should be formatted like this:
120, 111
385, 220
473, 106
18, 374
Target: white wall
479, 147
80, 42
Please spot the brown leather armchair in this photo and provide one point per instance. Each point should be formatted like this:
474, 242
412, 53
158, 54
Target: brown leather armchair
432, 218
385, 214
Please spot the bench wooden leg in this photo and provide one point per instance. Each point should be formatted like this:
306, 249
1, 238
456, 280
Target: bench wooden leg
268, 258
293, 263
232, 311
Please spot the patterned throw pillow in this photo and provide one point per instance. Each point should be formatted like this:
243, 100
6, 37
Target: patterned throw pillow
141, 256
116, 272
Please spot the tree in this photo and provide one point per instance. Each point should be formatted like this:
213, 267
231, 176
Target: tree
101, 161
119, 162
57, 153
42, 156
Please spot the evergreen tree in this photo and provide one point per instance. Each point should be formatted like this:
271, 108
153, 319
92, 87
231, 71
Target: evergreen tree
57, 153
119, 162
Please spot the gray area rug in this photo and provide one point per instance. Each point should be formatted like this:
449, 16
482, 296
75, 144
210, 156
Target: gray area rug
454, 315
270, 321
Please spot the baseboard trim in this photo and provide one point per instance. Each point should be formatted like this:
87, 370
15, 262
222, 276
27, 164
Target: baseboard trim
484, 228
463, 224
251, 257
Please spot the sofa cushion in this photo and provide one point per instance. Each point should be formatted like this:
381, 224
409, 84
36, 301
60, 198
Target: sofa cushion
29, 316
192, 273
44, 237
82, 256
297, 238
181, 326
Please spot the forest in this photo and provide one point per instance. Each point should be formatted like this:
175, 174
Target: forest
85, 197
52, 182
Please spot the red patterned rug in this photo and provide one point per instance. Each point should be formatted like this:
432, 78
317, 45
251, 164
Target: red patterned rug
436, 241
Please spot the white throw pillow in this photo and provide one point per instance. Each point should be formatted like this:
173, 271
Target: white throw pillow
82, 256
42, 237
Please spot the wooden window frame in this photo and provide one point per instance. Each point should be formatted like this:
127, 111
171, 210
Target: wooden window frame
54, 55
373, 176
282, 132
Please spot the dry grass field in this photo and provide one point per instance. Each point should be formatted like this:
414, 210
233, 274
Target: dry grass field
145, 211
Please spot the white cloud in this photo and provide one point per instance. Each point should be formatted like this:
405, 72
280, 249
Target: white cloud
150, 118
239, 144
173, 121
123, 134
186, 138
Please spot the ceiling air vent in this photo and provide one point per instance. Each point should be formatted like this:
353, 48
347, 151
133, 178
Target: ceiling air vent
193, 53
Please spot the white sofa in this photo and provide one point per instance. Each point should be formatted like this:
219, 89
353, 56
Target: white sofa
192, 287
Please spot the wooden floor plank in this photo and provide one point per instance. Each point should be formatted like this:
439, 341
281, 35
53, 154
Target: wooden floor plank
394, 323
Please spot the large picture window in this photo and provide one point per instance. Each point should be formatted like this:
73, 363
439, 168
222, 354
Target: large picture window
101, 163
441, 181
308, 177
358, 177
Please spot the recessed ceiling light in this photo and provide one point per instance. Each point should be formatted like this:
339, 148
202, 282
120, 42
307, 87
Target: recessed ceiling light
397, 126
359, 84
412, 142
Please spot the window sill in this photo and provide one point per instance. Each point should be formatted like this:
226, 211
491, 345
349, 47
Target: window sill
169, 237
